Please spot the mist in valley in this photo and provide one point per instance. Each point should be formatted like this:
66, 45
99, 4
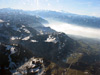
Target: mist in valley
74, 29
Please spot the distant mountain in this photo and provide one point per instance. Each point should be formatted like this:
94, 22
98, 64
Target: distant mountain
20, 17
81, 20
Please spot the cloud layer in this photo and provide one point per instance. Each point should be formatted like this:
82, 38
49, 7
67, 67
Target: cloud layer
75, 30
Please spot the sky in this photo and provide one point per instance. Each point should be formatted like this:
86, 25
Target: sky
82, 7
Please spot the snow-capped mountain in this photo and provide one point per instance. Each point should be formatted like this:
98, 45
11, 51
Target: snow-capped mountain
80, 20
19, 17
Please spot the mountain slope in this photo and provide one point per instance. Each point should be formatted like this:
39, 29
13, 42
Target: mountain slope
18, 60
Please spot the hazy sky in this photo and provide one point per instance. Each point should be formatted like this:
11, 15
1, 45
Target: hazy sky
84, 7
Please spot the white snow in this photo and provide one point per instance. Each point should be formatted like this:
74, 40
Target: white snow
12, 50
1, 21
16, 73
33, 65
15, 38
32, 70
22, 27
51, 39
26, 38
41, 32
34, 60
34, 41
26, 30
30, 63
23, 70
8, 23
37, 70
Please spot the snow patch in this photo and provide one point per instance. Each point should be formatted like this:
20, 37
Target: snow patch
1, 21
51, 39
8, 23
22, 27
34, 41
26, 38
34, 67
15, 38
16, 73
26, 30
12, 50
41, 32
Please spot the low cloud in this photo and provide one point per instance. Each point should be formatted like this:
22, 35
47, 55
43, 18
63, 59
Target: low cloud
74, 30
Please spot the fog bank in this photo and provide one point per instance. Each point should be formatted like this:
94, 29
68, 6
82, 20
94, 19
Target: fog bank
74, 30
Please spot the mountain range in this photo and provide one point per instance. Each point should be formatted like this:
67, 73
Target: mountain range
28, 47
75, 19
